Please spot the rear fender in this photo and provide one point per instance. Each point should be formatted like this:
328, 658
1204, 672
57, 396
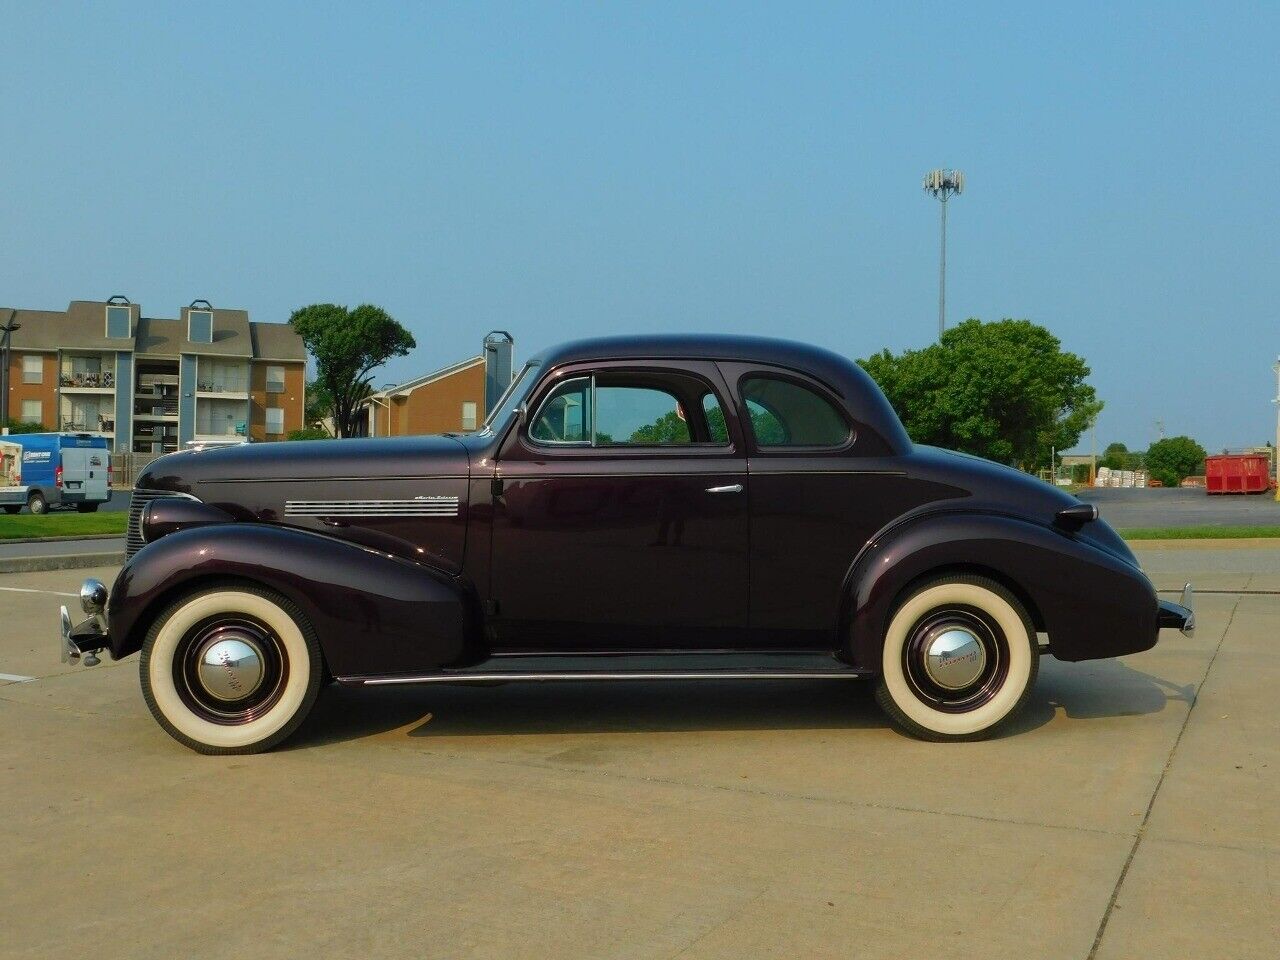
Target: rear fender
1091, 604
373, 613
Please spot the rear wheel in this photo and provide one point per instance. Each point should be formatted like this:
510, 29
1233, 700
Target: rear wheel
86, 507
36, 503
960, 658
231, 669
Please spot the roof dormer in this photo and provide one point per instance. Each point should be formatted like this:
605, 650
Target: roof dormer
200, 322
119, 318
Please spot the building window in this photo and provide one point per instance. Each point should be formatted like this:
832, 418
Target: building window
200, 326
275, 379
32, 412
275, 420
468, 415
118, 322
32, 368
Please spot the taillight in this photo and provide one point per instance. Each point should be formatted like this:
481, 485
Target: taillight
57, 476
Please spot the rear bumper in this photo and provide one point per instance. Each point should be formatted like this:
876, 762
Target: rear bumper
1180, 615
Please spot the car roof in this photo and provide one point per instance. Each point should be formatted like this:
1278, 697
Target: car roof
860, 393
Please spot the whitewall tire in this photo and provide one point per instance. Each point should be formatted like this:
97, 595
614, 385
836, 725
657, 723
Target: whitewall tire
960, 657
231, 669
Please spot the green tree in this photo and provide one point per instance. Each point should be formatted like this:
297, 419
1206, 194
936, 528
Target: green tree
309, 433
1115, 456
21, 426
319, 404
348, 345
1173, 459
1005, 390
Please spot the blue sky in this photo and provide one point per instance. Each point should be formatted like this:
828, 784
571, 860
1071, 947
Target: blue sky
566, 170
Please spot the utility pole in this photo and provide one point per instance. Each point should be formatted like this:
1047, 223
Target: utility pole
1275, 451
943, 185
6, 332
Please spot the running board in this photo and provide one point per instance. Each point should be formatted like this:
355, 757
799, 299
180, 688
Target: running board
695, 667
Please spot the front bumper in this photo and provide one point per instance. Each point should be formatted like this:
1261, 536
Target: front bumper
88, 638
1180, 615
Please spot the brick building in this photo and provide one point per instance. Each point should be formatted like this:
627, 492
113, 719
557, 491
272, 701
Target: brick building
150, 385
452, 399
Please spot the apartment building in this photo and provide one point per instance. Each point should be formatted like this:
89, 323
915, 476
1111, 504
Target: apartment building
151, 385
456, 398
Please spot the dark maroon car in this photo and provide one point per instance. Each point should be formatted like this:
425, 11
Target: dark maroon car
649, 508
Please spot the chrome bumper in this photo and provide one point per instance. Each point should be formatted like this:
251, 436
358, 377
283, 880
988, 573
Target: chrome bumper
90, 637
1181, 615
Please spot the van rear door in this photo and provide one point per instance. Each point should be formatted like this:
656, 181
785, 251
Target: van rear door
75, 472
95, 484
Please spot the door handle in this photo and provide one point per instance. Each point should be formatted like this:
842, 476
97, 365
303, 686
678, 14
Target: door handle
727, 488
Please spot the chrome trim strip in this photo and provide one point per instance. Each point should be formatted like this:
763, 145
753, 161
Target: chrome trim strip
366, 478
417, 507
843, 674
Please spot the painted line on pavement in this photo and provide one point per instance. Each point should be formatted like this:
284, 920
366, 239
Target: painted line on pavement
16, 678
53, 593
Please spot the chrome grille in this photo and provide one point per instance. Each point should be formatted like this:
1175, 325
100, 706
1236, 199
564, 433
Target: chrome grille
133, 541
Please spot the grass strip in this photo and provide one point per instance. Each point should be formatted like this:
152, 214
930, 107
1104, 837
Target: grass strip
1199, 533
61, 524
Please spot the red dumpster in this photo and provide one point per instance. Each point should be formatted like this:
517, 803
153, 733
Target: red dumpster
1237, 473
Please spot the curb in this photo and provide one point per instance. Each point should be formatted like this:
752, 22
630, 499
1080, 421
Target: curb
71, 561
83, 536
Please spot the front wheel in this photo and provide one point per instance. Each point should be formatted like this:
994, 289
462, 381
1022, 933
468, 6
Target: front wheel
960, 658
231, 669
12, 510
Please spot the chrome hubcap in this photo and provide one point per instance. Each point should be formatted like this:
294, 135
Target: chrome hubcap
954, 658
230, 666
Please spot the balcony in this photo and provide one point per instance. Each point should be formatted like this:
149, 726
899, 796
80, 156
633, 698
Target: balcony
102, 426
233, 386
87, 381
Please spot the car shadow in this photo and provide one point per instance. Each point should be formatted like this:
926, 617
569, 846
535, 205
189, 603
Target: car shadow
1080, 691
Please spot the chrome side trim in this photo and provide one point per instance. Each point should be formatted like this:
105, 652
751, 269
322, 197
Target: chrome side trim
527, 677
417, 507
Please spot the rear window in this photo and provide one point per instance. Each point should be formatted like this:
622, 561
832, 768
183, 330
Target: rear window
786, 414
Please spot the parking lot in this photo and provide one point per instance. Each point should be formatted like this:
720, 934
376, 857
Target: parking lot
1132, 811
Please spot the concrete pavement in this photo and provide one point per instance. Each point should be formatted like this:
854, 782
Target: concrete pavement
1133, 810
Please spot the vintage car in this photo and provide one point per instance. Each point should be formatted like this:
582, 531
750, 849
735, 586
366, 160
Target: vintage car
647, 508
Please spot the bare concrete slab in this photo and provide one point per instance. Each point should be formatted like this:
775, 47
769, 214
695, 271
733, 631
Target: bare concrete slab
710, 820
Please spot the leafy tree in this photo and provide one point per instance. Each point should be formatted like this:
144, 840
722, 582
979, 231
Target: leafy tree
1173, 459
348, 345
20, 426
310, 433
1005, 390
319, 404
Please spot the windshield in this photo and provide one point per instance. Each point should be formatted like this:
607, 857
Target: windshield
511, 398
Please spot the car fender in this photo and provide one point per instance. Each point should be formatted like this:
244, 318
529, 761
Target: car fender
373, 613
1091, 603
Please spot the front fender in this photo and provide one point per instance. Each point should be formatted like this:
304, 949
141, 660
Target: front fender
1091, 603
373, 613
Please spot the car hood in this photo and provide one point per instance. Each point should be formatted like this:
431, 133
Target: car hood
329, 460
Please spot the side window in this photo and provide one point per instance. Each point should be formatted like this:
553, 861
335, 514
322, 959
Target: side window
564, 416
631, 409
639, 416
714, 413
786, 414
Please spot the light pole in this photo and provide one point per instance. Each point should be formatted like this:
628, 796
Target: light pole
1275, 451
943, 185
8, 329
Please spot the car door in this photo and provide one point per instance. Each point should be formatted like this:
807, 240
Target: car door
811, 503
620, 514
